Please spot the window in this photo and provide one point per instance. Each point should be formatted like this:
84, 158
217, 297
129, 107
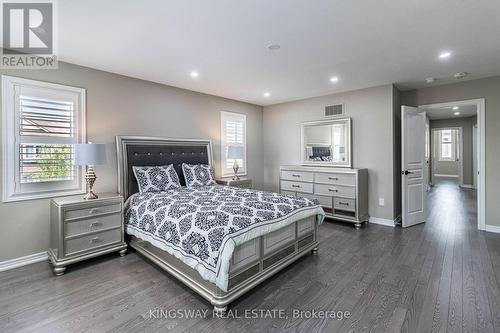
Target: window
41, 123
448, 150
233, 139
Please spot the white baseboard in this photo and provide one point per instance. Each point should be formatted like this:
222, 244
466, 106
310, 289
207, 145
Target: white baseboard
467, 186
492, 228
23, 261
386, 222
445, 176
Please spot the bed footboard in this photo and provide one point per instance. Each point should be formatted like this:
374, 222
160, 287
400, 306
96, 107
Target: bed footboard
252, 262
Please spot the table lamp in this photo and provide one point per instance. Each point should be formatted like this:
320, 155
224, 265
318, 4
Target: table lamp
90, 154
235, 152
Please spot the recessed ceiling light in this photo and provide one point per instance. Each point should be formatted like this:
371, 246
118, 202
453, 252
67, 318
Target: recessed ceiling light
267, 94
273, 47
444, 55
194, 74
456, 113
455, 108
334, 79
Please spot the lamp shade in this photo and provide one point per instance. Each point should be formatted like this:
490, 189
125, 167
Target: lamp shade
90, 154
235, 152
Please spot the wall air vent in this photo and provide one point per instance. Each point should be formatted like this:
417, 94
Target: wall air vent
334, 110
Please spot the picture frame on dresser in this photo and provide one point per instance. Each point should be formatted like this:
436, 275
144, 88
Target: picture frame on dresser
342, 192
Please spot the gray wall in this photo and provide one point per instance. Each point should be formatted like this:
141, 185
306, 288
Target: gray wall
489, 89
372, 114
445, 167
119, 105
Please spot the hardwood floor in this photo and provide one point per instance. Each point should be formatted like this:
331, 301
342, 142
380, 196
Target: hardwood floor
440, 276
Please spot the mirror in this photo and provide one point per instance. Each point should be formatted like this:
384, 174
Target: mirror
327, 143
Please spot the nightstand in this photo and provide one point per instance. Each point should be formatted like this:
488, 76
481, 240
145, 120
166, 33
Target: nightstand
83, 229
242, 182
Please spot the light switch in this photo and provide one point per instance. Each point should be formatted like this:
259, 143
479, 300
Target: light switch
381, 201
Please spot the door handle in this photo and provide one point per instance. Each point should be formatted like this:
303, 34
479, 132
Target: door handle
406, 172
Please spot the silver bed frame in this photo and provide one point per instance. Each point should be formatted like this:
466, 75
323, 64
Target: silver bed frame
252, 262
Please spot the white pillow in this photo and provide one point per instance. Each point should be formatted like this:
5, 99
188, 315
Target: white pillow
197, 175
156, 178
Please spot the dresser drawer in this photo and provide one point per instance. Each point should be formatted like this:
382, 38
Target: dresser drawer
296, 186
335, 190
335, 178
306, 226
344, 204
297, 175
77, 227
323, 200
279, 238
89, 242
72, 214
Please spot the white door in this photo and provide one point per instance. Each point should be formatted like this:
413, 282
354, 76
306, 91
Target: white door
413, 165
474, 156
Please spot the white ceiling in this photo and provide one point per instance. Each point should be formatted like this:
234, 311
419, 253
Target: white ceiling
365, 43
448, 112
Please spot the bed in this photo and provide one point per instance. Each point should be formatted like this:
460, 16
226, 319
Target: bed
219, 241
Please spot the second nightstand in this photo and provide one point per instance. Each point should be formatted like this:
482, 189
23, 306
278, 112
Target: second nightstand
82, 229
242, 182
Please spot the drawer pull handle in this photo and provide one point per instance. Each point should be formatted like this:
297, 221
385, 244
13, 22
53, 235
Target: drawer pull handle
332, 190
295, 175
343, 203
94, 211
95, 240
333, 178
94, 224
297, 186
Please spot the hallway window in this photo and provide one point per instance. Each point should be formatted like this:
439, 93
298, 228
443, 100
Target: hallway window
448, 145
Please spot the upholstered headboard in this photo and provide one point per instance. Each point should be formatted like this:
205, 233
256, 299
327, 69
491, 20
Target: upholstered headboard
151, 151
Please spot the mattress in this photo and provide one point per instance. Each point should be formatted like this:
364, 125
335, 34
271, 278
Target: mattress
202, 226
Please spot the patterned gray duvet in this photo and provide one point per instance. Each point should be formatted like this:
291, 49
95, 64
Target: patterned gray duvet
202, 226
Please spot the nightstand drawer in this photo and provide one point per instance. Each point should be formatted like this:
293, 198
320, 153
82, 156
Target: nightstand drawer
72, 214
92, 224
89, 242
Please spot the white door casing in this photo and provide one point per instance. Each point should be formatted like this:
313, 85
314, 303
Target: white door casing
475, 156
413, 165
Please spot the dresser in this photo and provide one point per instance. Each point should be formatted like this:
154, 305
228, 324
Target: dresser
343, 193
83, 229
242, 182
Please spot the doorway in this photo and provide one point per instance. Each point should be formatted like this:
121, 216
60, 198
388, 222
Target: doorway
453, 137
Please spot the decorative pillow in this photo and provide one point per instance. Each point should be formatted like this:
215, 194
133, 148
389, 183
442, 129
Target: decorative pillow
197, 175
156, 178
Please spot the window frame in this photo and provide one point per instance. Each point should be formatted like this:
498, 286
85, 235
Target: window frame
224, 116
453, 145
10, 142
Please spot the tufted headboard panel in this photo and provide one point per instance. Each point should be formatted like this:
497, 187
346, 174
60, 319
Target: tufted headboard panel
150, 151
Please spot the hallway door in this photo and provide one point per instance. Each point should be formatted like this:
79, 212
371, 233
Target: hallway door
413, 165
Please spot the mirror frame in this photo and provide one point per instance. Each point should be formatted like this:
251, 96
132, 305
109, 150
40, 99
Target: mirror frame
348, 163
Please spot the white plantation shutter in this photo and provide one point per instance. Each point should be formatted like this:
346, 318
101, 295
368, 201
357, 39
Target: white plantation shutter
233, 133
42, 123
51, 160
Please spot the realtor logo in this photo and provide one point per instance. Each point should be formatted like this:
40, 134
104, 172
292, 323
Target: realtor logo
28, 34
